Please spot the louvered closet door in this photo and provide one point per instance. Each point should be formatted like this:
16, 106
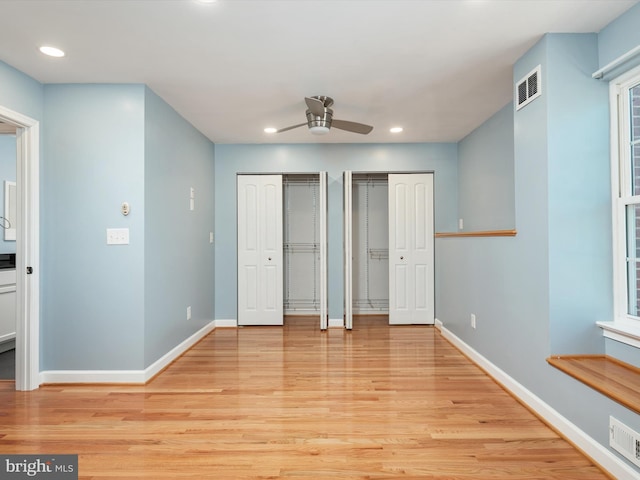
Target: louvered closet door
260, 250
411, 253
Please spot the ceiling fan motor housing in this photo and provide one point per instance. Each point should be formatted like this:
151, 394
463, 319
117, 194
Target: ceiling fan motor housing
319, 124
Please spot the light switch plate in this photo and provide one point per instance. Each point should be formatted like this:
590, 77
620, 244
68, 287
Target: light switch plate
117, 236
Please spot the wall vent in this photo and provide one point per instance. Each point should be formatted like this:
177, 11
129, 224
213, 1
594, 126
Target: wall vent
624, 440
528, 88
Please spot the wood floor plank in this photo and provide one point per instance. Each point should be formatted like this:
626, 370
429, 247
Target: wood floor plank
378, 402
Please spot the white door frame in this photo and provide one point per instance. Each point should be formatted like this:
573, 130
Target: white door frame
323, 182
347, 203
27, 248
324, 304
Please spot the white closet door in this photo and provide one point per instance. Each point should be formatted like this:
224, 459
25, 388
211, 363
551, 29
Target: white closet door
348, 249
260, 250
324, 307
411, 270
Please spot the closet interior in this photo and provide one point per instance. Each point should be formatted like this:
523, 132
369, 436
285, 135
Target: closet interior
301, 244
370, 226
388, 242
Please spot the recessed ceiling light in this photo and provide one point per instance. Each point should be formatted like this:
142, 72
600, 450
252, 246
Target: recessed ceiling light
395, 129
52, 51
270, 130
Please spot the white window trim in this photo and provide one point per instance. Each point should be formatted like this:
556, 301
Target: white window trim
624, 328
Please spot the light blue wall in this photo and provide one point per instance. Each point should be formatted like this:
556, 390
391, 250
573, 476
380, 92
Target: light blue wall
614, 40
24, 95
122, 307
504, 281
20, 93
92, 305
485, 175
334, 159
179, 260
8, 152
542, 291
620, 36
580, 246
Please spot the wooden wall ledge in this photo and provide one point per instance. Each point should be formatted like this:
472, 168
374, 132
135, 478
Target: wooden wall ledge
609, 376
485, 233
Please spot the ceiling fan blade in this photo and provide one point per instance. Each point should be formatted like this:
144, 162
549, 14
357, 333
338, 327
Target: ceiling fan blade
351, 126
290, 128
315, 106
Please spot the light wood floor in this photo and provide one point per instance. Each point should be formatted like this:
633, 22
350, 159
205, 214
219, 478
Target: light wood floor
270, 402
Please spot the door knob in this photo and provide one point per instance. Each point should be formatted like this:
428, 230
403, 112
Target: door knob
401, 258
269, 258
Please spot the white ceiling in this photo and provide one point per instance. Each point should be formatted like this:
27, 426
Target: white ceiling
439, 68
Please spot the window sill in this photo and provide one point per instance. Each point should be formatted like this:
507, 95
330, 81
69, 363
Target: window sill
627, 332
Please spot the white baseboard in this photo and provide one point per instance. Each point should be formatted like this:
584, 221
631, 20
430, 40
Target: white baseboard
438, 324
164, 361
594, 450
125, 376
226, 322
92, 376
336, 323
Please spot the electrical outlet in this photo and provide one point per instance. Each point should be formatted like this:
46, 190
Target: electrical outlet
473, 321
189, 312
460, 224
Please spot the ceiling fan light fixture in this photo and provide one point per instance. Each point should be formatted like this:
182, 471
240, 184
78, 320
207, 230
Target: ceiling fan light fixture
319, 129
270, 130
395, 129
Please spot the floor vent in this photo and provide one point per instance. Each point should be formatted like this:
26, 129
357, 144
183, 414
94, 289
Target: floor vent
624, 440
529, 88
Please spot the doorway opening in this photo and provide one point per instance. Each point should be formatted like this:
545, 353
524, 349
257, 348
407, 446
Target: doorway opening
8, 224
282, 249
370, 211
27, 274
301, 247
389, 247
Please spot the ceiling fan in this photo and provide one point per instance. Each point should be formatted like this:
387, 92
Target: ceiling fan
320, 118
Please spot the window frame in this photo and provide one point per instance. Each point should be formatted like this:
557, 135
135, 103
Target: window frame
622, 196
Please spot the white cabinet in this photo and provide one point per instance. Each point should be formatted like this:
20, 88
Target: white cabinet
7, 305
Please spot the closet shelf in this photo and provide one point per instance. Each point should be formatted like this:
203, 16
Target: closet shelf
379, 253
301, 304
302, 247
381, 303
485, 233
